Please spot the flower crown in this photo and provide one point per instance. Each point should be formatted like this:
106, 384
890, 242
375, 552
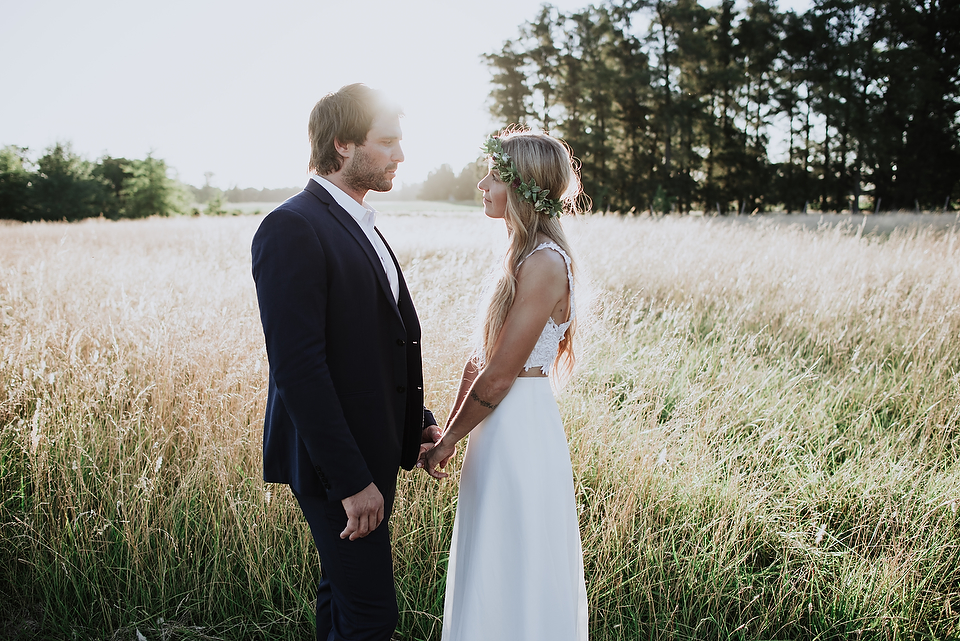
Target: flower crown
526, 190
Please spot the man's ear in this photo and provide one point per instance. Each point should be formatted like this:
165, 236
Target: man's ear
345, 150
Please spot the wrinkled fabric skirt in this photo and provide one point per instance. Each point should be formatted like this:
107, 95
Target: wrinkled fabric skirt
516, 565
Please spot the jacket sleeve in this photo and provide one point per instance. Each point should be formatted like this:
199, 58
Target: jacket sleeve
289, 268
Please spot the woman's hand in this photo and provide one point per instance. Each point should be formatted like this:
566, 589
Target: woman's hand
436, 458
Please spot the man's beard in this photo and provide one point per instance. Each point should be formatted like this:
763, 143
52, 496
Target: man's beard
364, 175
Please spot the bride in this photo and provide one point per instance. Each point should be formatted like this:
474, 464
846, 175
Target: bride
516, 566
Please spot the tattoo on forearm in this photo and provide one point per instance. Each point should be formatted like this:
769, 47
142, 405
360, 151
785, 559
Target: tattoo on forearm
474, 396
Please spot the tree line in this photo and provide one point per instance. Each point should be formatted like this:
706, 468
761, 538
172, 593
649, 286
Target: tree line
61, 185
443, 184
208, 193
671, 105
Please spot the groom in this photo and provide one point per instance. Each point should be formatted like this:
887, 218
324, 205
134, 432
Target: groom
345, 398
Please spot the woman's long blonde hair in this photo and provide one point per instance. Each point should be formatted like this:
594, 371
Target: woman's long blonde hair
550, 163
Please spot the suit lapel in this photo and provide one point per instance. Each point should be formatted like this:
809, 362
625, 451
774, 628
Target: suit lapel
351, 225
402, 292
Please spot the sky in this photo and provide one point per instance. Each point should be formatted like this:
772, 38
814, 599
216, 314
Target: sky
227, 87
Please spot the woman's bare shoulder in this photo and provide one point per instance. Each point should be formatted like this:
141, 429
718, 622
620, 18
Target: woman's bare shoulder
543, 268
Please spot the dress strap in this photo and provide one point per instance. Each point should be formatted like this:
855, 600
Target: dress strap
549, 244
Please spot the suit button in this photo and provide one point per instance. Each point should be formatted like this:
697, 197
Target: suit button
401, 389
400, 342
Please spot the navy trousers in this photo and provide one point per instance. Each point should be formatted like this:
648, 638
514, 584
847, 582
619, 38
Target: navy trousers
356, 597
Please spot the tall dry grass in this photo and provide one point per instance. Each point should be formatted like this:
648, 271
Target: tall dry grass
764, 426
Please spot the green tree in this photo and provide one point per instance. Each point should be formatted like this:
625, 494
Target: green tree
759, 37
510, 94
633, 184
66, 187
914, 158
722, 136
443, 185
16, 180
439, 185
542, 56
692, 25
215, 206
149, 191
466, 183
595, 126
115, 174
840, 69
794, 182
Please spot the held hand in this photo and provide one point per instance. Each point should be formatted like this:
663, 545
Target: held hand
429, 436
439, 455
364, 512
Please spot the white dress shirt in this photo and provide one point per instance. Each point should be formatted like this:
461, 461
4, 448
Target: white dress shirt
366, 217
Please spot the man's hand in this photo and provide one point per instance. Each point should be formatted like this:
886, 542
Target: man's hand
364, 512
429, 436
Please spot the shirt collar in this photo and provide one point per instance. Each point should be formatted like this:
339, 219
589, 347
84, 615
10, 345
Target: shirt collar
360, 212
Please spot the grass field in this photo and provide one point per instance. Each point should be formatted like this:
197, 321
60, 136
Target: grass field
764, 425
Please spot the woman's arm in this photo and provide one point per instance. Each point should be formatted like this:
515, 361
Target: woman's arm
433, 433
541, 284
470, 372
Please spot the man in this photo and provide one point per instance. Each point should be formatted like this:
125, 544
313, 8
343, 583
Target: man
345, 398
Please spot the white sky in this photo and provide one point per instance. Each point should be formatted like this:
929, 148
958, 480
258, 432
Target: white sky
226, 87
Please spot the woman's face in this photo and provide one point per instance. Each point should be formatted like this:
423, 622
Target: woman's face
494, 195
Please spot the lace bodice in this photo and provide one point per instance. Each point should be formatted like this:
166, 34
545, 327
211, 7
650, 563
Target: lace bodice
545, 351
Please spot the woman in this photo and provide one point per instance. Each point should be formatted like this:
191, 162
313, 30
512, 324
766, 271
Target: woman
516, 567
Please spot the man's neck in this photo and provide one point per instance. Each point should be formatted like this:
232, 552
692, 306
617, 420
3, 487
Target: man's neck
337, 179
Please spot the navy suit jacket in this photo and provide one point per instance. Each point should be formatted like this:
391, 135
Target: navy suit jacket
345, 397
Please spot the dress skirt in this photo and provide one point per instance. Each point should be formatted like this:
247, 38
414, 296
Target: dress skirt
516, 565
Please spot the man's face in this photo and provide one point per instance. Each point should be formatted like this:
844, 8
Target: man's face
374, 163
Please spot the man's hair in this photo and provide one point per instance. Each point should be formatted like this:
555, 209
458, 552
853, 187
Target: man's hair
345, 116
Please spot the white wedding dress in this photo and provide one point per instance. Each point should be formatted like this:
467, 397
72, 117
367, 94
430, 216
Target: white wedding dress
516, 565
